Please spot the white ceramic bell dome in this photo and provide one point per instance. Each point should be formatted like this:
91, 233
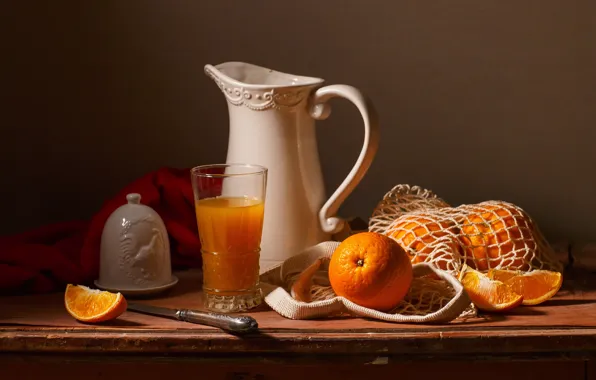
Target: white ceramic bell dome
135, 251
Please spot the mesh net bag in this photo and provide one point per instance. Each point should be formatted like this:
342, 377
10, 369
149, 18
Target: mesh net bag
441, 241
434, 295
483, 236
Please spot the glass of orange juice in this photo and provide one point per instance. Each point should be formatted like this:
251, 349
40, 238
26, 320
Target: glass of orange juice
230, 206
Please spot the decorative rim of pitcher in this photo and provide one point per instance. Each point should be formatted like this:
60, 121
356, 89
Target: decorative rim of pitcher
308, 81
258, 169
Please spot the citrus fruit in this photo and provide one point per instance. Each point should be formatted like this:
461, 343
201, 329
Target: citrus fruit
91, 305
488, 294
497, 234
301, 288
420, 235
536, 286
371, 270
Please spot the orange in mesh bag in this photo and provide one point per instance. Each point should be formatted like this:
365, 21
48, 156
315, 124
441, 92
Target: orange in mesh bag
491, 234
498, 235
427, 239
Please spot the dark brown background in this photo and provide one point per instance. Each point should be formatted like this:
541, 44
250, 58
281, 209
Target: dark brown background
478, 99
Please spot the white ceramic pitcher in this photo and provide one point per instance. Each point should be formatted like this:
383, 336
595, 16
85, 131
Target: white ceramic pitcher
272, 123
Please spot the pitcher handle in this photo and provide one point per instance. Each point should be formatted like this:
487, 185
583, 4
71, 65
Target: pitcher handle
320, 110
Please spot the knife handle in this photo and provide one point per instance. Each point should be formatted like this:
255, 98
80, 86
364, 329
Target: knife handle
237, 324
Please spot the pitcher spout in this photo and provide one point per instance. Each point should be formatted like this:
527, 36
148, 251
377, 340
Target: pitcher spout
253, 76
260, 88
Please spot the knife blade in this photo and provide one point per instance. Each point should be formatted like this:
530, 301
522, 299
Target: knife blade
231, 323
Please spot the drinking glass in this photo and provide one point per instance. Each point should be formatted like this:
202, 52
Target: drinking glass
229, 206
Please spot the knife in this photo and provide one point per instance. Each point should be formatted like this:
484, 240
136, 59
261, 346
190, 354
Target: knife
231, 323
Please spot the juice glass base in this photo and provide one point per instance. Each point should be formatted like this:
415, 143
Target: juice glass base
238, 302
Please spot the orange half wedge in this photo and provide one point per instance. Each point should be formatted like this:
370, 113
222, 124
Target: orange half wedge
488, 294
93, 306
536, 286
301, 288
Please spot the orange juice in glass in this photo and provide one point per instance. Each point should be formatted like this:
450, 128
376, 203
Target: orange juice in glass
230, 206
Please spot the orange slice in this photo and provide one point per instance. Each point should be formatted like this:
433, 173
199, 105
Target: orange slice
91, 305
301, 288
536, 286
489, 295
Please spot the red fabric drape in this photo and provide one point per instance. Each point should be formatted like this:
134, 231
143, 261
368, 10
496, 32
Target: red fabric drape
47, 258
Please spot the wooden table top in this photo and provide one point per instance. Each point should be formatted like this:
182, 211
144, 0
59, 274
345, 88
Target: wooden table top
565, 326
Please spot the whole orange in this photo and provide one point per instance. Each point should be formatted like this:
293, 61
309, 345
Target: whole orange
419, 234
497, 234
371, 270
